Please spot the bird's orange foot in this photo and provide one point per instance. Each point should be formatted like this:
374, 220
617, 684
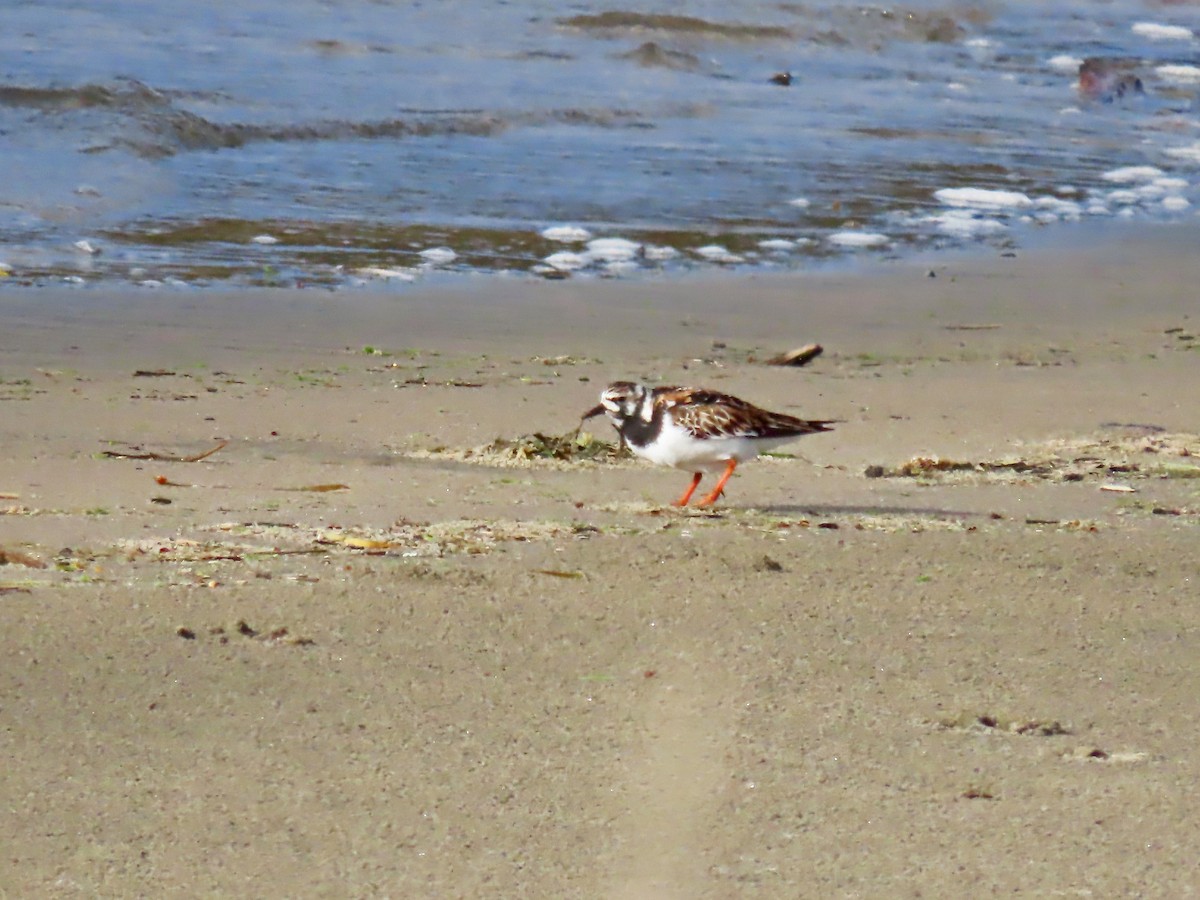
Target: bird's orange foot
719, 489
687, 495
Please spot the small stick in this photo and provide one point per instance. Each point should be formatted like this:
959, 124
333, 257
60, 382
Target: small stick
317, 488
163, 457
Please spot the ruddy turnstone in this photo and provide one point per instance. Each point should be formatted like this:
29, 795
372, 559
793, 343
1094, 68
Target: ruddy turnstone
696, 429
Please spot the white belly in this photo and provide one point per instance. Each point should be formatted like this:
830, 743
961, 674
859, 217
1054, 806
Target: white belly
677, 447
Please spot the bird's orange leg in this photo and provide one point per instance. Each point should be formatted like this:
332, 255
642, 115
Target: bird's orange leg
687, 495
720, 487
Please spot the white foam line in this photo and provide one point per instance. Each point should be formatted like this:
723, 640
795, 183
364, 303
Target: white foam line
1158, 32
982, 198
858, 239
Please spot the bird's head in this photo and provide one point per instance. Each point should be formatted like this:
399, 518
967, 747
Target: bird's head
622, 400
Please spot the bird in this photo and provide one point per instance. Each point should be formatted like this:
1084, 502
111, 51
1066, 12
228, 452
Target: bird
697, 429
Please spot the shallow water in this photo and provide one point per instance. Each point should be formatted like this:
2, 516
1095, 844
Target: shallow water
331, 143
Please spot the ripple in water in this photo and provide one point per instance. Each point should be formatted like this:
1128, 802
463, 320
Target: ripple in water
281, 145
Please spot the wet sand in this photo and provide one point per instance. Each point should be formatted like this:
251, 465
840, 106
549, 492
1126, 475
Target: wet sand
464, 675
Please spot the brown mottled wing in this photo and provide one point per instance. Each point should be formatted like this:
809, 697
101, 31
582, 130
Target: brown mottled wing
672, 394
684, 397
712, 414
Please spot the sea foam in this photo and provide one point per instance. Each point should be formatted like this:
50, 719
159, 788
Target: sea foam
982, 198
858, 239
1157, 32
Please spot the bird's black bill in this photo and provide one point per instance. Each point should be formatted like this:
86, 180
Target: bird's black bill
594, 411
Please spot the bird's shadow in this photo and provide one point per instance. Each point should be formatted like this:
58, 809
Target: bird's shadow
833, 510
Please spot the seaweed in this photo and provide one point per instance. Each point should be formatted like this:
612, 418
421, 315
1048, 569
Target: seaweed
574, 446
1129, 451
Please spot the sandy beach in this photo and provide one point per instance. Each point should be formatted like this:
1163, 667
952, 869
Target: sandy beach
362, 649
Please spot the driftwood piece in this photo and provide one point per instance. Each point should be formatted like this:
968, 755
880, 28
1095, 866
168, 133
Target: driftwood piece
801, 356
10, 557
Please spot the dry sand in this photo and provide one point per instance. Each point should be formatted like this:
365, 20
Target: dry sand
456, 678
